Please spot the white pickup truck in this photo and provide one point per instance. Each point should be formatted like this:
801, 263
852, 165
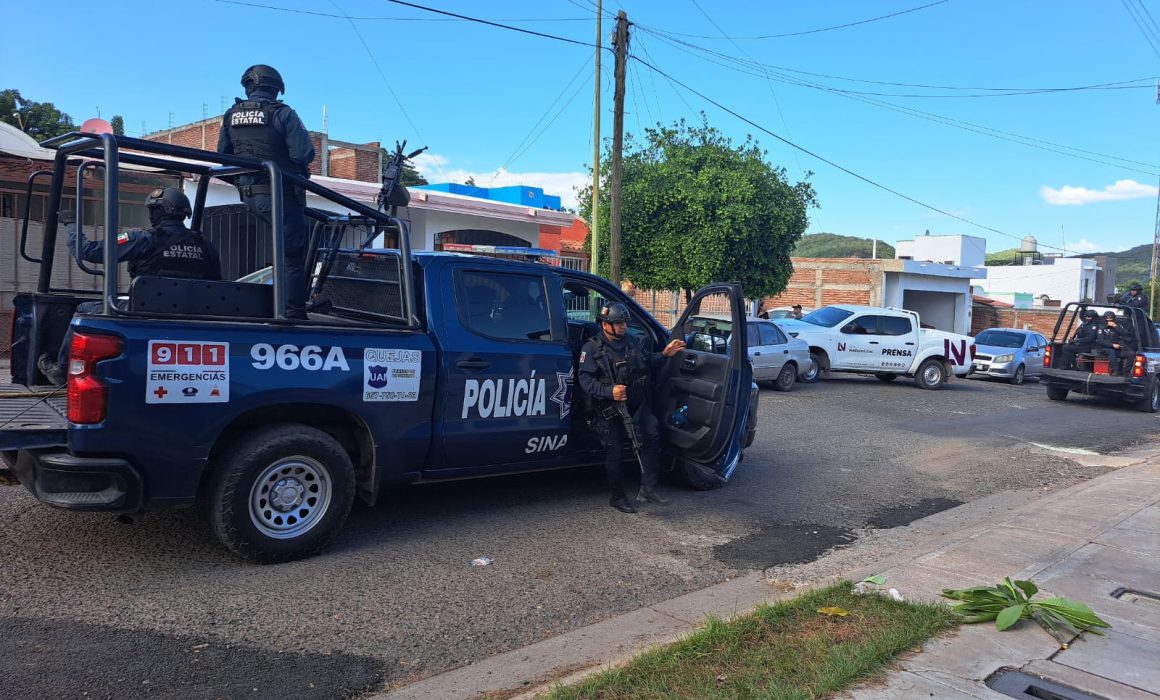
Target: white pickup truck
885, 342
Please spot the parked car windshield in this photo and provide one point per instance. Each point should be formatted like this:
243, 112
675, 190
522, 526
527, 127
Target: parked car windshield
1000, 339
827, 316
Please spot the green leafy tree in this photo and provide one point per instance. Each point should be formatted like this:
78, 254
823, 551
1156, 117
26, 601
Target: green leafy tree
40, 120
411, 176
118, 124
697, 209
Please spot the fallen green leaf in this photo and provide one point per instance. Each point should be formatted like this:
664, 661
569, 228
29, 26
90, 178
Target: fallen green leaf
876, 579
1010, 616
834, 611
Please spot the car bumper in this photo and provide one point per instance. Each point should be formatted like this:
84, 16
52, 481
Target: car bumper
994, 369
58, 478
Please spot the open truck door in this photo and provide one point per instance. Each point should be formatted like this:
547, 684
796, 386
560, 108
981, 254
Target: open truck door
713, 378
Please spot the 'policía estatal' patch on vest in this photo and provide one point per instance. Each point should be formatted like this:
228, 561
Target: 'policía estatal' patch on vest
248, 117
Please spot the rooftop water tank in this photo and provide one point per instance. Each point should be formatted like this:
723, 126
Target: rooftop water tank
1029, 245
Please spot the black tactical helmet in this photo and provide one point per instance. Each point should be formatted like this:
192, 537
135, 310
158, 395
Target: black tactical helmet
1109, 315
1088, 314
262, 75
171, 201
614, 313
1136, 287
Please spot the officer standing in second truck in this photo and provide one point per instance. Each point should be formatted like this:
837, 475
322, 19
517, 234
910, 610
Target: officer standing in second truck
264, 128
614, 368
1135, 297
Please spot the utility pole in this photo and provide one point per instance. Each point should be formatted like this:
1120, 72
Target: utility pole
594, 222
621, 47
1155, 248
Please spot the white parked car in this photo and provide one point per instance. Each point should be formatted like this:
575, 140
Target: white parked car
885, 342
777, 359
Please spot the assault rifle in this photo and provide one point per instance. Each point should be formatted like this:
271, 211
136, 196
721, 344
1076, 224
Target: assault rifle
621, 407
392, 194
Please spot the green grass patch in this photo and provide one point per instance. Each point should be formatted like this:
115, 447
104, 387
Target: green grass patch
783, 651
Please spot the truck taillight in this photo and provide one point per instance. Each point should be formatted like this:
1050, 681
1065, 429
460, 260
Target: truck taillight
1138, 366
973, 351
1047, 356
86, 394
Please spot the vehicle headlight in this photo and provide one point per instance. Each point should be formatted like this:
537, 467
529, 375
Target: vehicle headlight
1004, 358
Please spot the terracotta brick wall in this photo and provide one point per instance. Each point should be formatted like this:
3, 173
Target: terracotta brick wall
816, 282
347, 163
1038, 320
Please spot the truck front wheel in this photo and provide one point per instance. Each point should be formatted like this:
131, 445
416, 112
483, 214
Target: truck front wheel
281, 493
1056, 393
931, 374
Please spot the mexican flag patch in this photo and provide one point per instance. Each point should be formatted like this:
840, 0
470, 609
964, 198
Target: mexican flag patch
122, 238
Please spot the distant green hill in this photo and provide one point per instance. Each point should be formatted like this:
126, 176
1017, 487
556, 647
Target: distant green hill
1132, 265
832, 245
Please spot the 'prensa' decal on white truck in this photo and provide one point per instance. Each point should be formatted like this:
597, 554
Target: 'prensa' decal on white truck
885, 342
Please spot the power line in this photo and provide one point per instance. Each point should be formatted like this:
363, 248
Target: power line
490, 23
1150, 37
768, 81
998, 92
676, 92
822, 29
544, 116
386, 82
835, 165
947, 121
293, 10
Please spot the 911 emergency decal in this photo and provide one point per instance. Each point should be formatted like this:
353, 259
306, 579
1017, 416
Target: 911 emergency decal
391, 375
187, 372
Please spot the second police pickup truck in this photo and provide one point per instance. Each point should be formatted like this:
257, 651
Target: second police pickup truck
411, 368
885, 342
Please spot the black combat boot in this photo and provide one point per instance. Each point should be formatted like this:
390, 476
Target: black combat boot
651, 496
622, 504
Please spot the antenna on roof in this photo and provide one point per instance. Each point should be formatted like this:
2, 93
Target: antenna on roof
325, 122
143, 129
205, 110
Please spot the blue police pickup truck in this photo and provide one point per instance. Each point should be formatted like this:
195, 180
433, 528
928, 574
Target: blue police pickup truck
410, 368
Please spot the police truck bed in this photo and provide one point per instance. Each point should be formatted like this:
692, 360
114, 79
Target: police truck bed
32, 417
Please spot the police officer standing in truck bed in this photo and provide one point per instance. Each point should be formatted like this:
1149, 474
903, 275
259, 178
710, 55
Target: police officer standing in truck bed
264, 128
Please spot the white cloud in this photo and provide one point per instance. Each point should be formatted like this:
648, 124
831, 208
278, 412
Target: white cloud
1083, 245
1075, 196
565, 185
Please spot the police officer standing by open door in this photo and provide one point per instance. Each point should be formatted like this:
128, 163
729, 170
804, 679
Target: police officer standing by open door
614, 369
264, 128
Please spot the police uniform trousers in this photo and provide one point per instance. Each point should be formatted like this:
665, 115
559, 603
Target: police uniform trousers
295, 235
648, 430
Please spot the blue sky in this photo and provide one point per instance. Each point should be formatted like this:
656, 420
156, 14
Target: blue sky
507, 107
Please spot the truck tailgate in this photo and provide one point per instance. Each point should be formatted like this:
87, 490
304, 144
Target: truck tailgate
32, 417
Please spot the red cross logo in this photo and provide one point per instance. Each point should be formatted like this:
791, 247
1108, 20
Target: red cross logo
160, 392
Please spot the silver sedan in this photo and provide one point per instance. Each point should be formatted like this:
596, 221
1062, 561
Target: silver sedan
777, 359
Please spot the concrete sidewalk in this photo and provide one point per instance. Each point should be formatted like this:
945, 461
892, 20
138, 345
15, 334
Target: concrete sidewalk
1097, 542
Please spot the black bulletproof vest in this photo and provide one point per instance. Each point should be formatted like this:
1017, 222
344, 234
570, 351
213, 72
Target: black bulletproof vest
634, 373
174, 252
252, 132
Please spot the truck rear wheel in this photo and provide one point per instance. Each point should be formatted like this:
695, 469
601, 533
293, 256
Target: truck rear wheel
931, 374
1056, 393
1151, 402
282, 493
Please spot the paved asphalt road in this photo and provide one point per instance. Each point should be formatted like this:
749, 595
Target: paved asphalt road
156, 609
